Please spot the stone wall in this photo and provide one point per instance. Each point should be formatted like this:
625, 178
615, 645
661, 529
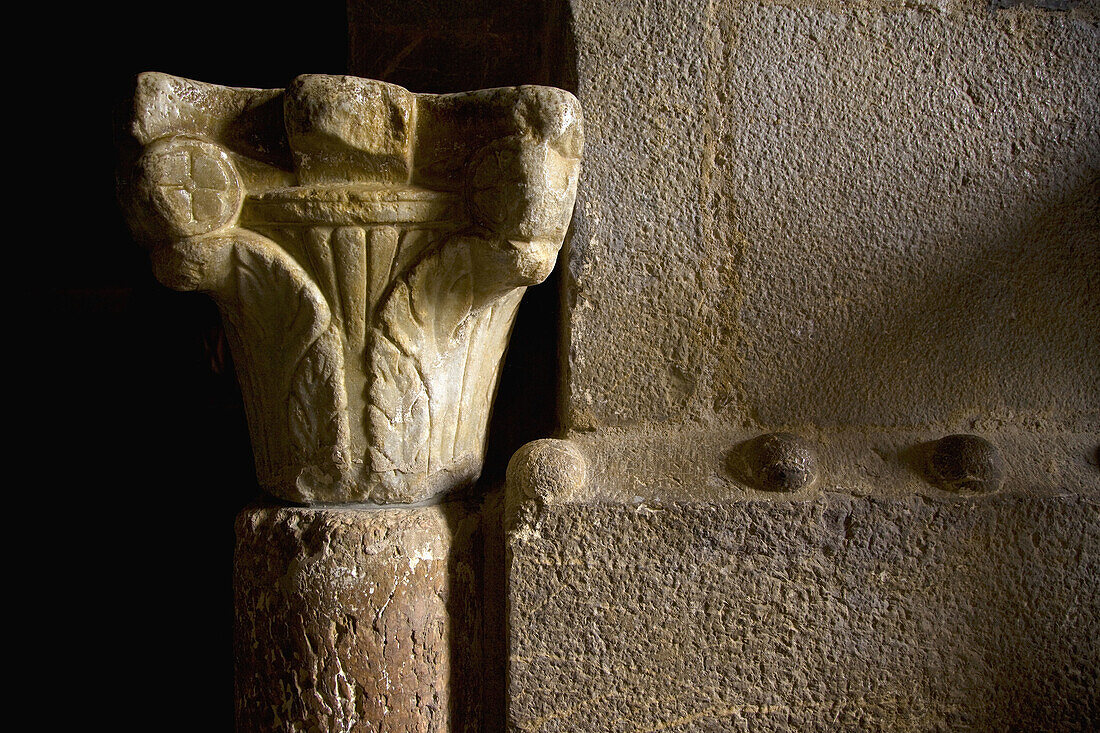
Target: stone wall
839, 214
862, 227
841, 613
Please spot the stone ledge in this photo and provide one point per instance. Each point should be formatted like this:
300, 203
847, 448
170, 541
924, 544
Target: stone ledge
678, 463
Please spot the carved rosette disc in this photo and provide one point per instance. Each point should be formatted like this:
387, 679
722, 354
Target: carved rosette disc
192, 185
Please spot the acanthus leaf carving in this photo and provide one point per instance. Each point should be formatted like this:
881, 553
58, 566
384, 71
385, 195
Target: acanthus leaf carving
288, 353
416, 342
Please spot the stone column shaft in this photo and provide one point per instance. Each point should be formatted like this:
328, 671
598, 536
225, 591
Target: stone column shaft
356, 619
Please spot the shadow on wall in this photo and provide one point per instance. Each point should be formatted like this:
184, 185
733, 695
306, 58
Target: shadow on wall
1005, 322
438, 48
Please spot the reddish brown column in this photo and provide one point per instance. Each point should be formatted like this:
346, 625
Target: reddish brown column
356, 619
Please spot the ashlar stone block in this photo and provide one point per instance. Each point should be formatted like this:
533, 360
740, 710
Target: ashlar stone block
368, 248
687, 602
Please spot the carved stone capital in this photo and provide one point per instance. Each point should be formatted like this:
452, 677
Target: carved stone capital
368, 248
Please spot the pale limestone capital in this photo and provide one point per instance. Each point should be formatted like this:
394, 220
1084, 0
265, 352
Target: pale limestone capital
368, 248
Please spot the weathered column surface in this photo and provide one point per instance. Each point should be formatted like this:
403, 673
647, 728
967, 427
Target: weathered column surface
349, 620
368, 248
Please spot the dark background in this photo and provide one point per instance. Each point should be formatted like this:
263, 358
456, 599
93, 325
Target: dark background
152, 448
160, 461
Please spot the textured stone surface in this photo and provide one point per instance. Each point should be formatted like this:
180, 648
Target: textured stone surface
869, 225
775, 462
357, 620
835, 613
838, 214
368, 248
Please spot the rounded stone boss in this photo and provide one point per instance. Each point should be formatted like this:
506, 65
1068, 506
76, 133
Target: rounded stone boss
368, 248
782, 462
965, 463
